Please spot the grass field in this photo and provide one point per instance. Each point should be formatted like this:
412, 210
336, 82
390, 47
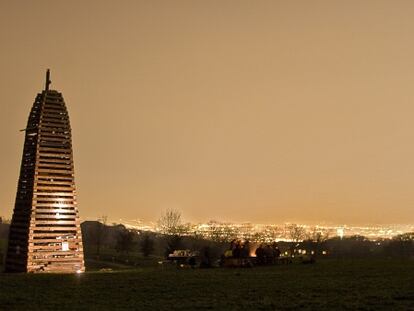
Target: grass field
326, 285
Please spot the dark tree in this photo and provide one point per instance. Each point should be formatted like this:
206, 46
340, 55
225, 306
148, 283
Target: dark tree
316, 240
355, 246
146, 245
125, 241
100, 234
401, 245
174, 242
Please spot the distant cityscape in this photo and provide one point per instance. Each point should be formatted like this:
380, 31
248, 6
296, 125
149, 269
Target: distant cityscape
276, 232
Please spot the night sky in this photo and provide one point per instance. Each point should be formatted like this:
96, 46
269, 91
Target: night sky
262, 111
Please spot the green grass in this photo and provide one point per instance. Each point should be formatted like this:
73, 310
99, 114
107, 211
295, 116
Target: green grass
326, 285
133, 259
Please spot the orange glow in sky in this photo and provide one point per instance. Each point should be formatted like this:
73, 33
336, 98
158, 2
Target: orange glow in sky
267, 111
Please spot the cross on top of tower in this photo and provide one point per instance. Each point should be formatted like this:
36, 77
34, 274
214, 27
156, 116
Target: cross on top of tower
47, 80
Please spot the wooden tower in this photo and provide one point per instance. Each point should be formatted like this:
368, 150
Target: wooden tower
45, 233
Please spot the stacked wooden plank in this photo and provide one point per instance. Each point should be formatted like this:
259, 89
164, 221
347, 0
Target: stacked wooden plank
45, 234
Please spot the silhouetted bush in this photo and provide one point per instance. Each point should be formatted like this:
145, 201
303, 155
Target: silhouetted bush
125, 241
400, 246
146, 245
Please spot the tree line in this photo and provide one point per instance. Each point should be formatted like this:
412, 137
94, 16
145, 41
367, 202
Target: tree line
173, 235
116, 242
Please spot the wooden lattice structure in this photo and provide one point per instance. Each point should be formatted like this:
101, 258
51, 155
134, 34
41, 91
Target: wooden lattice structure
45, 232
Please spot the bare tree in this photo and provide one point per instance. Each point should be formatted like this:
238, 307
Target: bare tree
319, 236
316, 238
296, 233
170, 222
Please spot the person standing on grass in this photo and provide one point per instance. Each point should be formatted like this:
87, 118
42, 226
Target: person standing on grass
245, 253
260, 255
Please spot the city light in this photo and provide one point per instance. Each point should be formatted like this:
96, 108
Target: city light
266, 233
